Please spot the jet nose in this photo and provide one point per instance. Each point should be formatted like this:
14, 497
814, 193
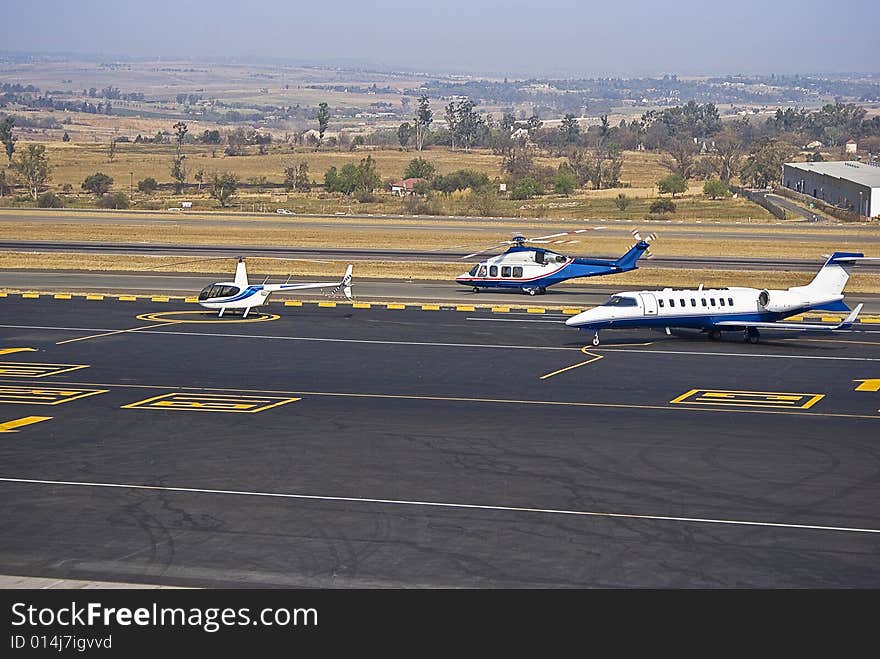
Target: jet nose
574, 321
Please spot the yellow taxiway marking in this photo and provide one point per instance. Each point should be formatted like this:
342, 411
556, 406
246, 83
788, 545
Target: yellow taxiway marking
10, 426
395, 306
326, 304
44, 395
465, 307
292, 303
571, 312
127, 298
159, 298
168, 317
32, 370
123, 331
748, 398
200, 402
868, 385
62, 296
94, 297
501, 309
593, 358
535, 310
30, 296
9, 351
361, 305
430, 307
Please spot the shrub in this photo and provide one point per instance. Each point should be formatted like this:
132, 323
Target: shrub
113, 200
49, 200
622, 201
715, 188
526, 188
663, 206
147, 185
98, 183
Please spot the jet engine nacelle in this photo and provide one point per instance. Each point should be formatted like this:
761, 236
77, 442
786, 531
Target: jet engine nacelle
780, 301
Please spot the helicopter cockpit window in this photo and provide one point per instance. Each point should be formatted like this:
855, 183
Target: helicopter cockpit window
560, 258
473, 272
621, 301
216, 290
206, 292
482, 271
539, 257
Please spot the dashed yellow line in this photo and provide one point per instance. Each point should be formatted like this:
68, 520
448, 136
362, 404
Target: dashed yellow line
395, 306
536, 310
292, 303
327, 304
361, 305
571, 312
94, 297
465, 307
62, 296
430, 307
127, 298
500, 309
159, 298
30, 296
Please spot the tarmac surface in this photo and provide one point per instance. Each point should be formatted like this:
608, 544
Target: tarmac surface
344, 447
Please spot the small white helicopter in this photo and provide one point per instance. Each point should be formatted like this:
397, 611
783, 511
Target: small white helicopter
239, 294
532, 270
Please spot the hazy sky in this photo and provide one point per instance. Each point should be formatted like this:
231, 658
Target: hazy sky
512, 37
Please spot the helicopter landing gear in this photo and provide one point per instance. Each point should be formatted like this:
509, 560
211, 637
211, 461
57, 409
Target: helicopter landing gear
752, 335
220, 315
714, 335
246, 312
540, 290
595, 340
476, 289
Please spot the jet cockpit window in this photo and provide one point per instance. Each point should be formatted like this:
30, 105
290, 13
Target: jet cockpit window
621, 301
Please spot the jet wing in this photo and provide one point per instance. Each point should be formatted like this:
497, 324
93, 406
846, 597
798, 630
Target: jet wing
810, 327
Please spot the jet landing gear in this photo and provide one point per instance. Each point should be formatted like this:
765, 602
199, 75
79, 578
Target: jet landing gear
595, 340
714, 335
751, 335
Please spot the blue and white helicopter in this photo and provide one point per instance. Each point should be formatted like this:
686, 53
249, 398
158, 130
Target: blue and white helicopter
534, 269
240, 295
717, 310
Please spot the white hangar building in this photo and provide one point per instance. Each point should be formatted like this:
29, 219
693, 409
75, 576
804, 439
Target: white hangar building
851, 185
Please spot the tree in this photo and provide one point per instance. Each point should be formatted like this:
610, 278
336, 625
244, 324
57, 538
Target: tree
223, 187
672, 184
424, 117
569, 129
680, 157
302, 182
97, 183
7, 137
404, 133
32, 165
49, 200
199, 177
419, 168
179, 173
361, 179
526, 188
180, 130
763, 165
565, 181
116, 200
111, 149
728, 154
323, 121
4, 184
663, 206
65, 137
147, 185
715, 188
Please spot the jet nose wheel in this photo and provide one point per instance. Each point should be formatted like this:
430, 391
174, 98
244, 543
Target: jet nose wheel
596, 339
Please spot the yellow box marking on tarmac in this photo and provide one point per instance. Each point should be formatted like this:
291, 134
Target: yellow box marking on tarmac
327, 304
361, 305
201, 402
465, 307
127, 298
12, 426
159, 298
535, 310
500, 309
395, 306
30, 296
94, 297
748, 398
62, 296
44, 395
31, 370
430, 307
868, 385
292, 303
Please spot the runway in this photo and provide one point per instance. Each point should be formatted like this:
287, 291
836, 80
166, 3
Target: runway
342, 447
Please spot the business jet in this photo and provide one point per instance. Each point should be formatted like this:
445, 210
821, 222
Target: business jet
717, 310
239, 294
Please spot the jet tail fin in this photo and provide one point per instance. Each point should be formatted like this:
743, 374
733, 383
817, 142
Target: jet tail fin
832, 277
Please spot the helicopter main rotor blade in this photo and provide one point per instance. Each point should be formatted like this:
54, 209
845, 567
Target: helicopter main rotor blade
563, 233
488, 249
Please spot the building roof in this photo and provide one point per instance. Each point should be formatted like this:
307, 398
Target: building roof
868, 175
408, 184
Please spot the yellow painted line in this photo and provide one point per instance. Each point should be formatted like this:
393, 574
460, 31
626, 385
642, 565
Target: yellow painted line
31, 395
62, 296
501, 309
536, 310
868, 385
10, 426
594, 358
796, 318
830, 319
201, 402
748, 398
9, 351
327, 304
361, 305
869, 320
190, 300
94, 297
127, 298
430, 307
33, 370
2, 294
292, 303
465, 307
571, 312
159, 298
30, 296
395, 306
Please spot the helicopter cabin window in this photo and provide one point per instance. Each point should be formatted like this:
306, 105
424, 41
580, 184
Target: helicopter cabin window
505, 271
517, 271
215, 290
473, 272
621, 301
539, 257
730, 301
712, 301
493, 270
482, 271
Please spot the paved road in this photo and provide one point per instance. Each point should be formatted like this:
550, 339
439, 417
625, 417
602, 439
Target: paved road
407, 448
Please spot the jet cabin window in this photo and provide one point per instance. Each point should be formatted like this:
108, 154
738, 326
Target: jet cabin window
730, 301
693, 302
505, 271
660, 301
493, 270
703, 300
621, 301
671, 302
